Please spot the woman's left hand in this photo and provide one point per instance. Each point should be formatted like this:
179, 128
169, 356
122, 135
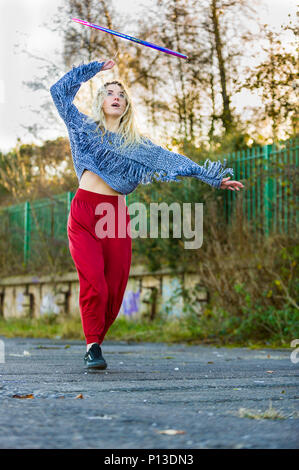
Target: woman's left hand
226, 184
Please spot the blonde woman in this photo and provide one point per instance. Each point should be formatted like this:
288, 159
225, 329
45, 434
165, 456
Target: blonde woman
111, 158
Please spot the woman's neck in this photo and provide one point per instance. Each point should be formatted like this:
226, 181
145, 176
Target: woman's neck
112, 125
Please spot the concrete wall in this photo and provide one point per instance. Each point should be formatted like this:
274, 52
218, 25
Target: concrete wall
146, 293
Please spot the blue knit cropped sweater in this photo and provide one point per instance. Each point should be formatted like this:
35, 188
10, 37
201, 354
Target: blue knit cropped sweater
123, 170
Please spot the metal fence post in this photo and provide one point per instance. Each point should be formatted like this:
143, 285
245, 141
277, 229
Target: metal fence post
26, 231
69, 200
266, 192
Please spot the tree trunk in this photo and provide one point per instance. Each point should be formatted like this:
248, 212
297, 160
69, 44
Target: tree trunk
227, 118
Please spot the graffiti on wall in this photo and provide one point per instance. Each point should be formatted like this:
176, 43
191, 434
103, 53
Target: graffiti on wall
48, 305
131, 303
171, 298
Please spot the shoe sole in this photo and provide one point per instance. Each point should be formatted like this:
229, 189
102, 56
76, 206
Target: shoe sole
96, 366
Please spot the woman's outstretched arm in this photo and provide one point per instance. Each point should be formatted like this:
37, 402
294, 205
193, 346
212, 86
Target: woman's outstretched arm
169, 165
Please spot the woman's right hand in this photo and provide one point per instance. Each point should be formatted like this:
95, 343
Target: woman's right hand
108, 64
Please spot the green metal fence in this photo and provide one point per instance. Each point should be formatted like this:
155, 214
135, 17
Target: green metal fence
270, 175
33, 225
269, 201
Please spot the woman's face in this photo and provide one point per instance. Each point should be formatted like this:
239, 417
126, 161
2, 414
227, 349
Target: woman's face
115, 102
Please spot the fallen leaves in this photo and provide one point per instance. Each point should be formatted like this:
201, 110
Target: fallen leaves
30, 395
171, 432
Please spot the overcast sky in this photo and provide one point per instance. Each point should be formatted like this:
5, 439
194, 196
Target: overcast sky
22, 22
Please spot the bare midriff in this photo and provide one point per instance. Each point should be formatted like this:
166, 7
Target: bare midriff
92, 182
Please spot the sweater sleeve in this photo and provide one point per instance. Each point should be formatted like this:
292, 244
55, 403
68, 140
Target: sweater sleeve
169, 165
64, 91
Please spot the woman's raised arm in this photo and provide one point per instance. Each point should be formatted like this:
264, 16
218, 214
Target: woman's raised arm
64, 91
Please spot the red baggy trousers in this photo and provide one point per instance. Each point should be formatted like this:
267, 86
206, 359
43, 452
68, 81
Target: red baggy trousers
100, 244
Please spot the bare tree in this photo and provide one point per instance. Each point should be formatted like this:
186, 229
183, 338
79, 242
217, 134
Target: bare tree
228, 36
213, 35
276, 81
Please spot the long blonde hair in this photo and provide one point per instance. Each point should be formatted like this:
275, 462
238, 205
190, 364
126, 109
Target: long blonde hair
128, 128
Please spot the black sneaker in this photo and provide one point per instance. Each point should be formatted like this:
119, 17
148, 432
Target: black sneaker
93, 358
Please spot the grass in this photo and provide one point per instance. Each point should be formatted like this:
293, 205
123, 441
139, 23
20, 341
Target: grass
270, 413
173, 330
48, 326
53, 326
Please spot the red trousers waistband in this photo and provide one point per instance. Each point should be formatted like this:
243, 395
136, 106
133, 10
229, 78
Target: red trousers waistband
90, 196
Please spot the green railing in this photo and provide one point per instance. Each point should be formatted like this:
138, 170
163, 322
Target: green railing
269, 201
32, 226
270, 198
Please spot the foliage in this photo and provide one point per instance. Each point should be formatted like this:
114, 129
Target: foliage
29, 171
275, 81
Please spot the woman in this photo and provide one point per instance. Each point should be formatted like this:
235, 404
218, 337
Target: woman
111, 158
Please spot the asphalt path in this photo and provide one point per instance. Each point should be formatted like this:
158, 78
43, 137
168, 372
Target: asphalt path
151, 396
